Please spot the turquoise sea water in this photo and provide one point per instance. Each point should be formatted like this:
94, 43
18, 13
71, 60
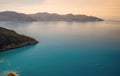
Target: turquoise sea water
65, 49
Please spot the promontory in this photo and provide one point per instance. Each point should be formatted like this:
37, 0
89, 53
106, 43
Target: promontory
9, 39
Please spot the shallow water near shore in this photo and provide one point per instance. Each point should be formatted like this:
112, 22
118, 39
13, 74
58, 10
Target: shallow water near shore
65, 49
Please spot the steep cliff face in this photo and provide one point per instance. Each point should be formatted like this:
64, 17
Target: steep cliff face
10, 39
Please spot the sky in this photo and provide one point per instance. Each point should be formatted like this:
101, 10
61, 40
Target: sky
108, 9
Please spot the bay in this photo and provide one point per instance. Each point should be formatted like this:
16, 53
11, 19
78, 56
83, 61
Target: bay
65, 49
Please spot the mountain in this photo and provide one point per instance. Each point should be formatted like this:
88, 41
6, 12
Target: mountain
67, 17
14, 16
10, 39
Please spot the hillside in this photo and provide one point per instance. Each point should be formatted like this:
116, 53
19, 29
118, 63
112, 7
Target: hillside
14, 16
10, 39
67, 17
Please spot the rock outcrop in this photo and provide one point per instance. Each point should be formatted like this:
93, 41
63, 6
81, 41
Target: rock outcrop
9, 39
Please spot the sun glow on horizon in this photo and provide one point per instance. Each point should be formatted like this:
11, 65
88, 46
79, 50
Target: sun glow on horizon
99, 8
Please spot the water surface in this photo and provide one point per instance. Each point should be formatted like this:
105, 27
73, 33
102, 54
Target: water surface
65, 49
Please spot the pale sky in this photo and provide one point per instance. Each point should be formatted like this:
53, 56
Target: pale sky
100, 8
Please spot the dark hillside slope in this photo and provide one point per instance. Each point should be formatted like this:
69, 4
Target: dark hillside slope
10, 39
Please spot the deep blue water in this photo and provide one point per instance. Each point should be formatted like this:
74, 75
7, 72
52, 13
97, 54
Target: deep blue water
65, 49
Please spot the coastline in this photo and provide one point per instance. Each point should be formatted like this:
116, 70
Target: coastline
9, 39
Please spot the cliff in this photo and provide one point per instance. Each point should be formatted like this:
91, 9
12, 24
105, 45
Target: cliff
10, 39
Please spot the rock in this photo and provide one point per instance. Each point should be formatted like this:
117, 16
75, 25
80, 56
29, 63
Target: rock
11, 74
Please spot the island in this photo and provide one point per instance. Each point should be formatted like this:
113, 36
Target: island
9, 39
68, 17
15, 16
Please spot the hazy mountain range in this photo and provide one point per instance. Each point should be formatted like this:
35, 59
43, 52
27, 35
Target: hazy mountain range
14, 16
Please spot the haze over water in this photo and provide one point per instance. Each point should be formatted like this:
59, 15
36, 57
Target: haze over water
65, 49
106, 9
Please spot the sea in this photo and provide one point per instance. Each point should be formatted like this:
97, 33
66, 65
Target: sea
64, 49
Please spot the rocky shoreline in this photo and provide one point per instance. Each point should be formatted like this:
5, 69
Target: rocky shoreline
9, 39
